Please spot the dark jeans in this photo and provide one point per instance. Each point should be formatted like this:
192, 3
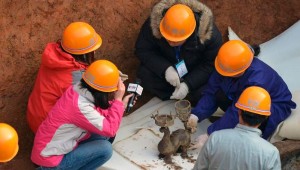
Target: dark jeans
90, 154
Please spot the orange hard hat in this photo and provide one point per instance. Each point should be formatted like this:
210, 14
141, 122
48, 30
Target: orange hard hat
233, 58
102, 75
178, 23
9, 146
80, 38
255, 99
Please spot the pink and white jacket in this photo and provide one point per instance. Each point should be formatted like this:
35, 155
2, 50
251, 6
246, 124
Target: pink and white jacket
70, 121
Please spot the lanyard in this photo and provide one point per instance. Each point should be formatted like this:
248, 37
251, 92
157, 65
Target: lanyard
177, 53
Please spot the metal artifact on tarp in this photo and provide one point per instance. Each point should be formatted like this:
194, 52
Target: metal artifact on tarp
180, 139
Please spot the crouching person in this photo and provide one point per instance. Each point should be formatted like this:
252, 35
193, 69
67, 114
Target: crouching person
75, 134
242, 147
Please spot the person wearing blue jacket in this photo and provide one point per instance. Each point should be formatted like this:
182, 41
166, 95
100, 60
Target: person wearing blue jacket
237, 69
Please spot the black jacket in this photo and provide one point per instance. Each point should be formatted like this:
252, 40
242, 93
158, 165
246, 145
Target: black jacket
198, 52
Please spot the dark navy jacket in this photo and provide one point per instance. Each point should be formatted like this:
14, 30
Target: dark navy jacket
258, 74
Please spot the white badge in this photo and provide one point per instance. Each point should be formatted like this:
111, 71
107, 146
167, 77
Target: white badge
181, 68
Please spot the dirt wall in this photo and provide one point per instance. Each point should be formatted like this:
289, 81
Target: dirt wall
28, 25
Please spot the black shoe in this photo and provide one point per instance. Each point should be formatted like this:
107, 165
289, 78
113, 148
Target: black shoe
111, 140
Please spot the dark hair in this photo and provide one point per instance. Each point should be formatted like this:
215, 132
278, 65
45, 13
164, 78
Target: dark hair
100, 98
87, 58
256, 49
252, 119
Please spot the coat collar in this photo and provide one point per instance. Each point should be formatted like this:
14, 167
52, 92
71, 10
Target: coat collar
83, 92
205, 20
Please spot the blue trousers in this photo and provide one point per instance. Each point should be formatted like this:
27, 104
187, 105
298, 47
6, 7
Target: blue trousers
90, 154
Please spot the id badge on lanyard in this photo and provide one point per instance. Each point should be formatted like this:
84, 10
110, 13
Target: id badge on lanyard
180, 66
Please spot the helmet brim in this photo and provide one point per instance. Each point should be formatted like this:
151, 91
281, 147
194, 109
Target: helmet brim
172, 38
85, 51
228, 74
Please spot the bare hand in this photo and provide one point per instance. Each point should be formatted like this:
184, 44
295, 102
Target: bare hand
192, 123
126, 99
199, 142
121, 91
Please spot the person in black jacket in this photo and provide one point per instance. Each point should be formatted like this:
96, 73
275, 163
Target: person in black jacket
177, 46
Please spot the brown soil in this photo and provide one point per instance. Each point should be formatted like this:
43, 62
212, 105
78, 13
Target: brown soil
289, 154
28, 25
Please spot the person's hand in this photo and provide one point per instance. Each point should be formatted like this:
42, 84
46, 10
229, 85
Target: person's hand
126, 99
172, 77
181, 92
199, 142
192, 123
118, 95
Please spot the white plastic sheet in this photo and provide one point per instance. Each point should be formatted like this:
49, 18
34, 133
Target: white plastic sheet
282, 53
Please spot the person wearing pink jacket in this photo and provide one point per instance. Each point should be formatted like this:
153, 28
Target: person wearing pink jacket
76, 131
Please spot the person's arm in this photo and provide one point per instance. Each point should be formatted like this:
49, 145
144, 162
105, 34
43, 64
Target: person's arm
207, 104
228, 121
104, 122
199, 76
148, 52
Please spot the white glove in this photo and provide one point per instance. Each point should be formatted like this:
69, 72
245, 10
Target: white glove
192, 123
181, 92
172, 77
199, 142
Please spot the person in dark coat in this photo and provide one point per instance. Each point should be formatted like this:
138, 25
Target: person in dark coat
237, 69
177, 46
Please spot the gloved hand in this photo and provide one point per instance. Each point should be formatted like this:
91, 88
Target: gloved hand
181, 92
172, 77
192, 123
199, 142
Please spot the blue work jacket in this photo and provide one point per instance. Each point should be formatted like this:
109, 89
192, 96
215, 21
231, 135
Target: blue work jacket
258, 74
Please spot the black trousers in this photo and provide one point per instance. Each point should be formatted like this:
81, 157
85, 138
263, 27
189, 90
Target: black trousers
159, 87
